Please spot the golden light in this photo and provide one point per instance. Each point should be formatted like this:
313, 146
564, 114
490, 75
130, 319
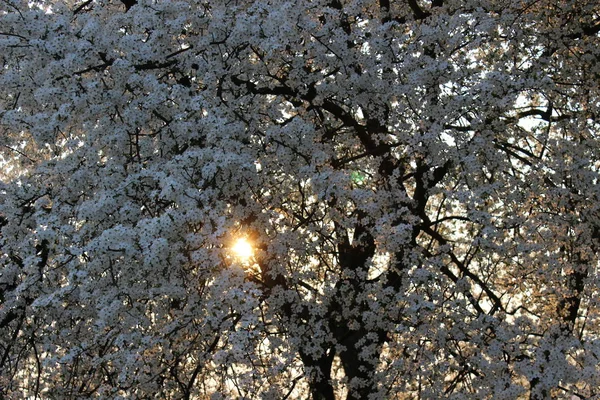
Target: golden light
242, 249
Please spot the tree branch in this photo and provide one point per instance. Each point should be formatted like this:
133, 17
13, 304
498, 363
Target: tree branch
418, 13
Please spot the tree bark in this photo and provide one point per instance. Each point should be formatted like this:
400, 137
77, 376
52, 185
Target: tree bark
319, 378
360, 371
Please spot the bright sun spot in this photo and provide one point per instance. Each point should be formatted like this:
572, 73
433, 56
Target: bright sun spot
243, 249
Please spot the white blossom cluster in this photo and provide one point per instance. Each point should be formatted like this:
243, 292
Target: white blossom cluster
419, 182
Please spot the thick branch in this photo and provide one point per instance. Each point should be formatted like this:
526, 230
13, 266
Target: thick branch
418, 12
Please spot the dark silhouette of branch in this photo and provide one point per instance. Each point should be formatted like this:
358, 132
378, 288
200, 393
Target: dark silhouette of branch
128, 4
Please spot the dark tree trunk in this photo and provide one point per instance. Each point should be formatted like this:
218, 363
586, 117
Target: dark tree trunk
357, 368
320, 377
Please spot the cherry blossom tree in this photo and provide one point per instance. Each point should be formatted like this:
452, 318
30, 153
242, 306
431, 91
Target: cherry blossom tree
414, 187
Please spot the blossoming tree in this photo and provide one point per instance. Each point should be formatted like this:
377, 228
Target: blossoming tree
299, 199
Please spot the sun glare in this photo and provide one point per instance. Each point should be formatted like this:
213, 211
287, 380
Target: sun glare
242, 249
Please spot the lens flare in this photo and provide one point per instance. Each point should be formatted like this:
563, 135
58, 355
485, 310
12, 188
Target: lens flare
242, 249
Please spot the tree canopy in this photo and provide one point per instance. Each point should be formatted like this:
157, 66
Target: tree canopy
325, 199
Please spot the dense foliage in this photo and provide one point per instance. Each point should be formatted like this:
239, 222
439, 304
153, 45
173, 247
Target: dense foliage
419, 182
